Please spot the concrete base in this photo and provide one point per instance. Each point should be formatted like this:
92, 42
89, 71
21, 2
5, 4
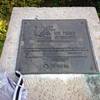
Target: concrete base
69, 87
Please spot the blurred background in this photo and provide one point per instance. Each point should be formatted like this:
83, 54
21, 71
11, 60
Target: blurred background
6, 7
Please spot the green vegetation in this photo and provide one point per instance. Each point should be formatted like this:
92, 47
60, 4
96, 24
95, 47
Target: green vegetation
99, 14
6, 7
1, 46
3, 30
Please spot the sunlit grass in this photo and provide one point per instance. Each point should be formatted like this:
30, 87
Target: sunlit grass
3, 31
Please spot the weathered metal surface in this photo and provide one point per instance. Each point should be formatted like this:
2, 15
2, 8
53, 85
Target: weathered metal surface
55, 47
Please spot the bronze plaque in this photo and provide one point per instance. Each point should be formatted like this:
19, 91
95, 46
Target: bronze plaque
55, 47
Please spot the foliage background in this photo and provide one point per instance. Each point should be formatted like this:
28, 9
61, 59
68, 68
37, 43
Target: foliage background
6, 7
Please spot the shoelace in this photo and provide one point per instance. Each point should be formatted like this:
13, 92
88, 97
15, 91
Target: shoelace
19, 85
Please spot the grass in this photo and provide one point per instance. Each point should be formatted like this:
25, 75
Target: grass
1, 46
